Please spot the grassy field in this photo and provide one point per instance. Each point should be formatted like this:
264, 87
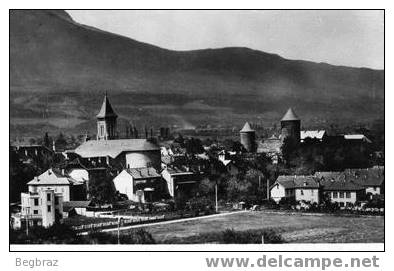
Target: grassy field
295, 228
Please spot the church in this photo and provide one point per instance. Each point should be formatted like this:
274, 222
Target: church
108, 149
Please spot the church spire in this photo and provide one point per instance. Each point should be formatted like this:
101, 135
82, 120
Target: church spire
106, 110
106, 121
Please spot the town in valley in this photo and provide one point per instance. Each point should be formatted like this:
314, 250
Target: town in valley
116, 179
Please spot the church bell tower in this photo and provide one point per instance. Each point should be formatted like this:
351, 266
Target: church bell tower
106, 121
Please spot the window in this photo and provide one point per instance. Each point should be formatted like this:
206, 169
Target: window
374, 188
102, 130
35, 202
335, 195
49, 208
302, 192
35, 212
48, 197
342, 204
312, 191
348, 195
56, 200
341, 195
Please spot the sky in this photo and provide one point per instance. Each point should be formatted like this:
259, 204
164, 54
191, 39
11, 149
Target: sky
350, 38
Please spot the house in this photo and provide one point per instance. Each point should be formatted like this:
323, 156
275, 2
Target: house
298, 188
372, 179
41, 208
57, 181
140, 184
180, 182
319, 135
343, 192
229, 164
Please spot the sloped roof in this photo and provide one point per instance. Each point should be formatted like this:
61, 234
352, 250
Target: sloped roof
143, 173
52, 177
295, 181
112, 148
317, 134
327, 175
246, 128
106, 109
358, 137
290, 115
363, 176
341, 186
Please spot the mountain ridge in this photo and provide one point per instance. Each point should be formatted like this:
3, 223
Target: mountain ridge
51, 54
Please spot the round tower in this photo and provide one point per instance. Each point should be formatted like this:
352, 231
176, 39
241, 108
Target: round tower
248, 138
291, 126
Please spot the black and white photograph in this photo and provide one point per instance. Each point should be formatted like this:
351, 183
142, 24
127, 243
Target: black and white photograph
175, 128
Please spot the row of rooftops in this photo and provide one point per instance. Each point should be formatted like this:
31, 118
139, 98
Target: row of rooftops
349, 180
57, 177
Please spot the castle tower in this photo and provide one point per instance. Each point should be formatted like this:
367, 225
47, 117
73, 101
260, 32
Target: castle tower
106, 121
248, 138
291, 126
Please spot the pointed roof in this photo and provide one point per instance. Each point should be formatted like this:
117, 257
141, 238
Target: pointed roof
106, 109
290, 115
247, 128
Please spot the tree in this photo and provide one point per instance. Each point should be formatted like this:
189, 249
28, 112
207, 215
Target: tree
61, 142
47, 141
194, 146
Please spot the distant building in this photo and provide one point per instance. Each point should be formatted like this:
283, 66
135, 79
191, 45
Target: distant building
291, 126
180, 182
298, 188
357, 138
319, 135
248, 138
226, 158
29, 153
58, 181
122, 153
129, 153
42, 208
140, 184
271, 147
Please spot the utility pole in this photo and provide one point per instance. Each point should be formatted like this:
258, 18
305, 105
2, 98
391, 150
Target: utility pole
27, 220
216, 197
119, 220
268, 189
